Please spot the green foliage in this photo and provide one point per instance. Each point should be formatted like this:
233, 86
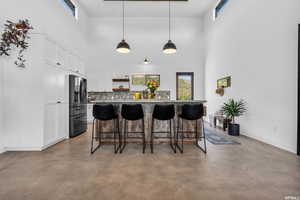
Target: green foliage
234, 109
15, 35
185, 90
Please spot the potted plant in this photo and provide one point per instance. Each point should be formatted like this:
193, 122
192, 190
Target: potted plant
152, 87
15, 35
233, 109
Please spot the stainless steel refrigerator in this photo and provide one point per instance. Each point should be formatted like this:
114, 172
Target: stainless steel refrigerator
77, 105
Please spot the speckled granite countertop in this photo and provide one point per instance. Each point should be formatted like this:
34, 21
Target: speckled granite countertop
147, 101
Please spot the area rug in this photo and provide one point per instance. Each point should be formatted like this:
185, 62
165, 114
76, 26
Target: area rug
219, 138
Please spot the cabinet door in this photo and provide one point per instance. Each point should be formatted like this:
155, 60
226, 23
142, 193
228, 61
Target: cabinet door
81, 67
62, 121
50, 52
50, 124
61, 86
51, 75
56, 123
73, 63
62, 58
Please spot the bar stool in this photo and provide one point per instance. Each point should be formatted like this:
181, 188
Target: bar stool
132, 112
105, 113
191, 112
163, 113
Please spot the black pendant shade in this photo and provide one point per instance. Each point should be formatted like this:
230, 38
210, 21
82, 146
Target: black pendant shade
123, 47
169, 48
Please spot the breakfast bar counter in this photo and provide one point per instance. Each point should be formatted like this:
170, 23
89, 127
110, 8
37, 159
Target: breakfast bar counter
148, 105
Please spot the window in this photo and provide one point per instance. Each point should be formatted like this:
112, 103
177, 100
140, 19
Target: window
70, 6
185, 85
220, 7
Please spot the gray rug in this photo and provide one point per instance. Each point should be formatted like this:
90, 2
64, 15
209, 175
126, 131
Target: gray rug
219, 138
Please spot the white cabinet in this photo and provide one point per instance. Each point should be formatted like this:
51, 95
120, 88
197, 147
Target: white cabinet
56, 116
55, 124
49, 125
81, 67
58, 56
76, 64
50, 52
62, 57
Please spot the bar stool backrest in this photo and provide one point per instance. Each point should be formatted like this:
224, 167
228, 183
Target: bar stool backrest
132, 112
163, 112
104, 112
192, 111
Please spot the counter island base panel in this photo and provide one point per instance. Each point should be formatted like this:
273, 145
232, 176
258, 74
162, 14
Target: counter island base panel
160, 126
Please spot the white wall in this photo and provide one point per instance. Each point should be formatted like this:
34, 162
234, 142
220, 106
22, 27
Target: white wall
1, 109
256, 42
146, 37
22, 97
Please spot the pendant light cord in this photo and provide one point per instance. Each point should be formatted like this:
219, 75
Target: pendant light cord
169, 19
123, 20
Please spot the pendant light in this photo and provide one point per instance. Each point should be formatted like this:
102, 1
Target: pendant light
146, 61
123, 46
170, 47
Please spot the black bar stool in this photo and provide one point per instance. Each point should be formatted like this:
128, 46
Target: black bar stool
132, 112
191, 112
105, 113
163, 113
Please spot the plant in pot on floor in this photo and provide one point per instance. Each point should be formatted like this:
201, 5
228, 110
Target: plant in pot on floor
233, 109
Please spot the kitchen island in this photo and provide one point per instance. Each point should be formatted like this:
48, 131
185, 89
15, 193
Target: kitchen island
148, 105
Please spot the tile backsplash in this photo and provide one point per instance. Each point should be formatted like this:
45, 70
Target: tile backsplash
94, 96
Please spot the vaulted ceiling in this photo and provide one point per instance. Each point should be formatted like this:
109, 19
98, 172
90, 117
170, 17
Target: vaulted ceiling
101, 8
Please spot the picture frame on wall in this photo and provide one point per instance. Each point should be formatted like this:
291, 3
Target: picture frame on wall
152, 77
138, 79
224, 82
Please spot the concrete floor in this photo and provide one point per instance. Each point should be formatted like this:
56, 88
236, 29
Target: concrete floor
67, 171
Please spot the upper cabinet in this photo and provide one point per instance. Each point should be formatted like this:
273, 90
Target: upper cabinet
50, 52
57, 56
62, 58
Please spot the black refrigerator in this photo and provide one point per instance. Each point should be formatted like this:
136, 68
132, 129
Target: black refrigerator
77, 105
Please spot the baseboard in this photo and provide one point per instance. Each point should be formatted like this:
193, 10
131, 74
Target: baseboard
23, 149
262, 141
33, 148
2, 150
53, 143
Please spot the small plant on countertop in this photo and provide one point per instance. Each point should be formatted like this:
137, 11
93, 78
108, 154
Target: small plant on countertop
15, 35
152, 87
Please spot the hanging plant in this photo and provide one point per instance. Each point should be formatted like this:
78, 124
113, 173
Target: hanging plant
15, 35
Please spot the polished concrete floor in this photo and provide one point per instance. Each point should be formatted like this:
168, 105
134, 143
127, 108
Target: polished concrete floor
67, 171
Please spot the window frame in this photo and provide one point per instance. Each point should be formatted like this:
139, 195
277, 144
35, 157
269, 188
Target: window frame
71, 6
219, 7
177, 82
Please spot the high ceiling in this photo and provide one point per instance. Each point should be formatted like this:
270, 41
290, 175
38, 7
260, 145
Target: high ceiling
101, 8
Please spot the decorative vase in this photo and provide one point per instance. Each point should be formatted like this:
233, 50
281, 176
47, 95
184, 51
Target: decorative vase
152, 95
